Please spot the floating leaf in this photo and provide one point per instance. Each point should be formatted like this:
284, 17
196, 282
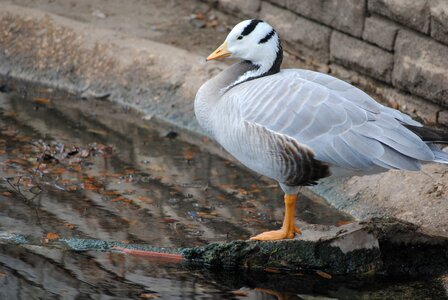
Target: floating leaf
69, 225
71, 188
323, 274
239, 293
41, 100
188, 155
90, 187
110, 193
169, 220
58, 171
343, 222
52, 236
119, 198
148, 296
272, 270
7, 194
145, 199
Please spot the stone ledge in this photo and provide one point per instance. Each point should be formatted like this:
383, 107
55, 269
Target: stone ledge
421, 66
380, 32
439, 20
376, 246
347, 16
241, 7
296, 30
361, 56
412, 13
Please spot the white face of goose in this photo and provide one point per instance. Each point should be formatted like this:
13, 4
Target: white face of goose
252, 40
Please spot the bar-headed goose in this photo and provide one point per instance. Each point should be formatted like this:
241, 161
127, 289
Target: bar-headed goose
298, 126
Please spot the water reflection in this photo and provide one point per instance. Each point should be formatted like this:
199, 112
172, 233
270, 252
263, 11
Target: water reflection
147, 189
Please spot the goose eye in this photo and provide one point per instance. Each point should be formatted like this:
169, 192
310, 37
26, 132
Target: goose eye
240, 37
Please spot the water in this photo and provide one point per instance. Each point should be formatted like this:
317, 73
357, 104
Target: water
87, 169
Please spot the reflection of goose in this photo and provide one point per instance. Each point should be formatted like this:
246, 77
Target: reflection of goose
297, 126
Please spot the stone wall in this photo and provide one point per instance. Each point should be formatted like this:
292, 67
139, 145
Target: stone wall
396, 49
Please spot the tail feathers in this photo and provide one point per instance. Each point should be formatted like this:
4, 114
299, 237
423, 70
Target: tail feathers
429, 134
440, 156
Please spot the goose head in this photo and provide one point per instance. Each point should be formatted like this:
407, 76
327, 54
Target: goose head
255, 42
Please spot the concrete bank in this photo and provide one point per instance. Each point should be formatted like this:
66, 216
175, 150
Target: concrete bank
160, 81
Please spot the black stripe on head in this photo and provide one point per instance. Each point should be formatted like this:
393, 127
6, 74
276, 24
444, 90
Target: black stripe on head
250, 27
267, 37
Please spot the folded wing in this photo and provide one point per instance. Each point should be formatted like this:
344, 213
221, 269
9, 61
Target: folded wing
340, 123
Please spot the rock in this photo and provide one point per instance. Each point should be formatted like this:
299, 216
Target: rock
412, 13
443, 118
359, 55
380, 32
241, 7
439, 20
306, 36
421, 66
347, 16
385, 246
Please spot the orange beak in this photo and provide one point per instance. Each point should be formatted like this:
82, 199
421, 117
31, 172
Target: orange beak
221, 52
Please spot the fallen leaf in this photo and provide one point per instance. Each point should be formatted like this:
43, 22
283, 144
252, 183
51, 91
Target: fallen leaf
2, 274
41, 100
52, 236
7, 194
239, 293
11, 114
58, 171
323, 274
343, 222
145, 199
168, 220
71, 188
272, 270
242, 191
24, 138
188, 155
9, 132
90, 187
69, 225
110, 193
221, 198
148, 296
119, 198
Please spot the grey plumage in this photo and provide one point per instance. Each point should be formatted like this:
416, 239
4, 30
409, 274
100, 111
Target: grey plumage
344, 127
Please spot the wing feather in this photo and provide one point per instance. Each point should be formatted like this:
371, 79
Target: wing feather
343, 125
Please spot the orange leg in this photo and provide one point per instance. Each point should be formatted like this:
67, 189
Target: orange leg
288, 229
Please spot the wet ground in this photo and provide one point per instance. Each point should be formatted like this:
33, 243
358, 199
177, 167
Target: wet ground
72, 168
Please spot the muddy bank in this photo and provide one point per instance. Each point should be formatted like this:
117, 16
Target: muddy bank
160, 81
